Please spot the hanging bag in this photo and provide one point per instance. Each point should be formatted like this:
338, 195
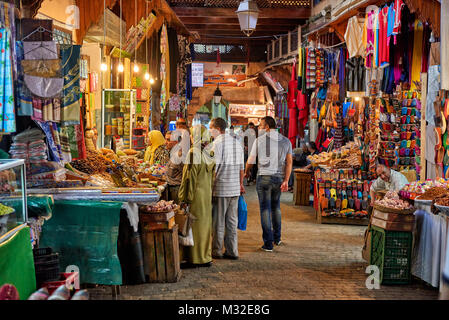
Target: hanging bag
243, 214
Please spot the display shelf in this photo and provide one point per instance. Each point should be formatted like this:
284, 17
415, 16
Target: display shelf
13, 196
118, 110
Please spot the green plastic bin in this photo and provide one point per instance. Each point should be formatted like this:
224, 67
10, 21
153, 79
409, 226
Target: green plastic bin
391, 251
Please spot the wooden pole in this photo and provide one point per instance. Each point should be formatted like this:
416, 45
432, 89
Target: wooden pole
423, 125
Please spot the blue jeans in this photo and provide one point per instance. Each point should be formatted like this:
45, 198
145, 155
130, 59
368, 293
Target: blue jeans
269, 192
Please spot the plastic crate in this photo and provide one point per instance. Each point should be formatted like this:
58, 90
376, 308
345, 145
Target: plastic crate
67, 279
46, 265
391, 251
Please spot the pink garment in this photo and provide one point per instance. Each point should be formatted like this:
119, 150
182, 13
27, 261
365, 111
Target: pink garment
397, 65
370, 40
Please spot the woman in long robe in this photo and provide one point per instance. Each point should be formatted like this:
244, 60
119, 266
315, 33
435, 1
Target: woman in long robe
196, 190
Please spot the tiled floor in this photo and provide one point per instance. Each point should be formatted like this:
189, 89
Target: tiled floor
316, 262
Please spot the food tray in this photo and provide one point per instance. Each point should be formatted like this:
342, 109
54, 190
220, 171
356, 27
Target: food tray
443, 209
417, 200
391, 210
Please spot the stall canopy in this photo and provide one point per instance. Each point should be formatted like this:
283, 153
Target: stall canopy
91, 12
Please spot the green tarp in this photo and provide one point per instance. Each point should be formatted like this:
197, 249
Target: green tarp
17, 263
85, 234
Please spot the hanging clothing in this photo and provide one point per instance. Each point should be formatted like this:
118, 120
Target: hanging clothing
417, 53
384, 46
71, 55
7, 112
293, 126
425, 48
174, 58
398, 5
354, 42
370, 39
311, 69
292, 89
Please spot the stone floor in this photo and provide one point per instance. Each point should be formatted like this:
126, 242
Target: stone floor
316, 262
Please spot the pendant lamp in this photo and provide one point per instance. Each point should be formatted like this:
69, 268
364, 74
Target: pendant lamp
248, 13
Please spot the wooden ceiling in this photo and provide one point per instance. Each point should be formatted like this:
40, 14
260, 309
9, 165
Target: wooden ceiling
215, 21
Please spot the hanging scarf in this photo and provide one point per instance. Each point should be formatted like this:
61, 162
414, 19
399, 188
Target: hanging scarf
7, 114
71, 70
417, 54
24, 100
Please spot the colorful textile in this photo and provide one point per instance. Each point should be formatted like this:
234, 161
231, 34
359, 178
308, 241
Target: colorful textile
52, 147
70, 56
65, 144
24, 100
7, 21
417, 54
311, 69
7, 113
353, 40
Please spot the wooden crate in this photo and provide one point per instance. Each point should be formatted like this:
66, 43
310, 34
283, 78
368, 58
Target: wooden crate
161, 255
301, 193
148, 223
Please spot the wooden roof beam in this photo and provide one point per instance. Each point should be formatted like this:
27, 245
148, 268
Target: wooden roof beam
280, 13
235, 21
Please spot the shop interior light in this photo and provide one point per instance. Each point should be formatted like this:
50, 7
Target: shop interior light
120, 68
136, 68
217, 95
151, 81
147, 76
104, 66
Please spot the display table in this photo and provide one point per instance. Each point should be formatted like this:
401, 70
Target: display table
430, 248
327, 179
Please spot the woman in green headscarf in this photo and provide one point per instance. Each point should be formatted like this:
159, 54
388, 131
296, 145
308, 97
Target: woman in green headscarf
196, 190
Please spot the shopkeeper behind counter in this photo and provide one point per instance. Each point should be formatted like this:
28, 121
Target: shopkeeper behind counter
157, 151
388, 180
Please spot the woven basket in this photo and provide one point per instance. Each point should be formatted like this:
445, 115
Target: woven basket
391, 210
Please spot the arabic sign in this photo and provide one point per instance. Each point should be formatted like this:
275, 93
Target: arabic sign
226, 74
197, 75
248, 110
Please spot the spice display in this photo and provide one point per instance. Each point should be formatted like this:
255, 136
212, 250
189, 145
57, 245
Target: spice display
434, 193
94, 163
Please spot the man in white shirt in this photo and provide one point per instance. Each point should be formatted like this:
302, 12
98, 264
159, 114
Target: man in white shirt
228, 186
388, 179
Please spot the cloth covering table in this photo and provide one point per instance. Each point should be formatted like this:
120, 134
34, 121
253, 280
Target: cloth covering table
430, 245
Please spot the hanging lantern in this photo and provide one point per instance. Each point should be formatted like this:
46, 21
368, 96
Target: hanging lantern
217, 95
104, 66
248, 12
121, 68
136, 67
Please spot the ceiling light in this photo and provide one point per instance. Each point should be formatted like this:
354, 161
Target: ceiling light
248, 12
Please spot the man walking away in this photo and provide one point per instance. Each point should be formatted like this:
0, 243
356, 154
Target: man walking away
274, 152
228, 185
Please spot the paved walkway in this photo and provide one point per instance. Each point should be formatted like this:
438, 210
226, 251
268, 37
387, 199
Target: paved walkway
316, 262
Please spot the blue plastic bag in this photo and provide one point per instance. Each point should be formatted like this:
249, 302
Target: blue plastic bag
243, 214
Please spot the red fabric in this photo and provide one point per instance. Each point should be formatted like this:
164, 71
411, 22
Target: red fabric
384, 45
292, 89
218, 57
318, 139
293, 126
303, 115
